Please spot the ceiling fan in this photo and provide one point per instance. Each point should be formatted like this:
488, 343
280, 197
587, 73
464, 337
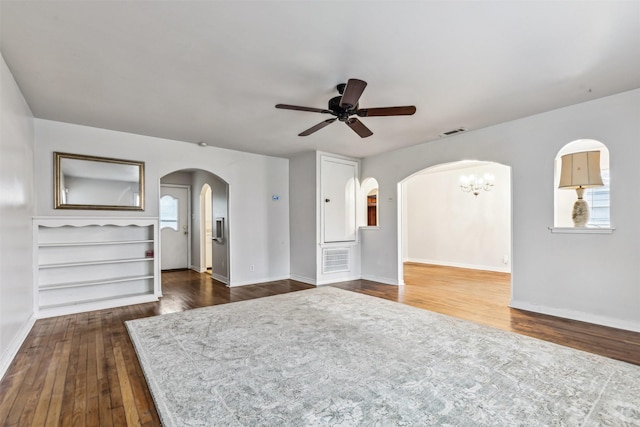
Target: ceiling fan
345, 106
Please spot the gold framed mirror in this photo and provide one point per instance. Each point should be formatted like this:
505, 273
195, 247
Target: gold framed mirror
102, 183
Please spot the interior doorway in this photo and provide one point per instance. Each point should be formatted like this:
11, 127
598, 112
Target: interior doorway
209, 205
206, 229
456, 215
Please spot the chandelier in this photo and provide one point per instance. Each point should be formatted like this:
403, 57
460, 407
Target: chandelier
474, 184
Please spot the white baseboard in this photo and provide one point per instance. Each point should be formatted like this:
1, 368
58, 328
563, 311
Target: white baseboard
380, 279
385, 280
220, 278
497, 269
577, 315
257, 281
307, 280
14, 346
313, 282
330, 281
95, 305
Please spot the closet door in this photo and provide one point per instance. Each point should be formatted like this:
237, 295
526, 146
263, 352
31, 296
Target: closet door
338, 181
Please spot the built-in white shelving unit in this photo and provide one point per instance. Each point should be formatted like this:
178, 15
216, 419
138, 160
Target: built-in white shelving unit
85, 264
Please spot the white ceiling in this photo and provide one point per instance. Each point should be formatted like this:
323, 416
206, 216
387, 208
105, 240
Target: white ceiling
212, 71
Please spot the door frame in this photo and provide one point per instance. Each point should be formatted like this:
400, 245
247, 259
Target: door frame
188, 188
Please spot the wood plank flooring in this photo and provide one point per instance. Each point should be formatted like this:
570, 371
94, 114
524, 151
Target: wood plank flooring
483, 297
82, 369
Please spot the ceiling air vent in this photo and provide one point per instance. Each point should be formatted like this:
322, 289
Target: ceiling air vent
453, 131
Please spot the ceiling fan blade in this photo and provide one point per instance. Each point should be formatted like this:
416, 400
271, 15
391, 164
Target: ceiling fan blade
387, 111
352, 93
317, 127
359, 127
298, 108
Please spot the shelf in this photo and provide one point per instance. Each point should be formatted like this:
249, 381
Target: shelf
92, 301
92, 283
101, 262
63, 244
581, 230
87, 263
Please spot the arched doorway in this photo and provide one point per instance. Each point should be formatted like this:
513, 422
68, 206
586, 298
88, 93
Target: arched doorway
445, 221
210, 201
206, 229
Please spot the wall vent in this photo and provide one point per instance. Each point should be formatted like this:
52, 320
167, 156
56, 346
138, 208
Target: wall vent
453, 132
335, 260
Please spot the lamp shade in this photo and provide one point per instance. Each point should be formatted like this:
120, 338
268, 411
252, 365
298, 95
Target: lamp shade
581, 170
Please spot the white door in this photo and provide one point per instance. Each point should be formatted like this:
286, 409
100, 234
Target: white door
339, 200
174, 227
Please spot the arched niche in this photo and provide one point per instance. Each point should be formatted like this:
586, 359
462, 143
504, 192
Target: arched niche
369, 202
598, 198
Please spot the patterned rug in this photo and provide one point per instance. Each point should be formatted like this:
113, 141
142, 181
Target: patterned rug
329, 357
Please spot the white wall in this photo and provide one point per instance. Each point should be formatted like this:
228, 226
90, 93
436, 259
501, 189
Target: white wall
177, 178
16, 209
219, 199
302, 211
445, 226
258, 226
588, 277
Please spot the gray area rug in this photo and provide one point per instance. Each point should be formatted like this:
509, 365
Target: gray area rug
332, 357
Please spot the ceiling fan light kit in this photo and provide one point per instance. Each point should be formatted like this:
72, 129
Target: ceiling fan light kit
346, 105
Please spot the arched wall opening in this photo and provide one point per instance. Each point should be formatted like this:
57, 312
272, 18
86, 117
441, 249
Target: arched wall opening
441, 224
206, 228
210, 201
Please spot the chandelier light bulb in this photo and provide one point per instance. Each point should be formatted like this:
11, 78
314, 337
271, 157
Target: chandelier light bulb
474, 184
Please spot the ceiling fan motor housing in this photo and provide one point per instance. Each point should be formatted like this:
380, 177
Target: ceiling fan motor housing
341, 113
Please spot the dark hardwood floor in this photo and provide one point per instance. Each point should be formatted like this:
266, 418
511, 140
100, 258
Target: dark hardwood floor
82, 369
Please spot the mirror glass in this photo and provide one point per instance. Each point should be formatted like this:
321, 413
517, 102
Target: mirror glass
88, 182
